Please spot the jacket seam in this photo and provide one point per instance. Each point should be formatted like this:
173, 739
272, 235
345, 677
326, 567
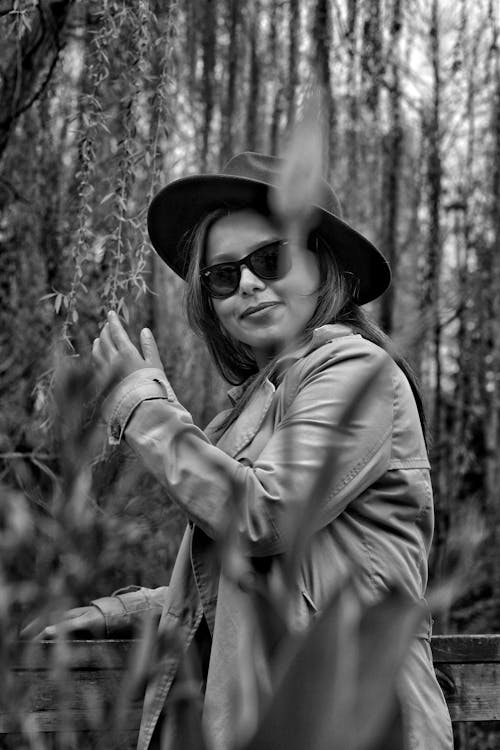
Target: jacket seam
361, 463
364, 539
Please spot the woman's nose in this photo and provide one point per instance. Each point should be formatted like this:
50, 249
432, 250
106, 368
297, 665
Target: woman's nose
249, 282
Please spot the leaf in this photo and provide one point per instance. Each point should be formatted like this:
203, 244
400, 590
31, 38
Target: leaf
386, 631
300, 184
57, 303
107, 197
337, 686
26, 21
312, 702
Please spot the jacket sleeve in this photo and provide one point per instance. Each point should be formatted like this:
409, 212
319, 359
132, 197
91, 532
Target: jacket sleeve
127, 607
338, 425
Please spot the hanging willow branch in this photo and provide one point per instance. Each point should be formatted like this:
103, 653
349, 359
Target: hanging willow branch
158, 114
93, 126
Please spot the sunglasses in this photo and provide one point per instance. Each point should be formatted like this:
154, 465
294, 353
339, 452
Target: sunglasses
269, 262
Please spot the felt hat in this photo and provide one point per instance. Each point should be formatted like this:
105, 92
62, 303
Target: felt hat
245, 182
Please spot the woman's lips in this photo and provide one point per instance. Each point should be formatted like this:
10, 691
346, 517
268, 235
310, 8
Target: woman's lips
250, 311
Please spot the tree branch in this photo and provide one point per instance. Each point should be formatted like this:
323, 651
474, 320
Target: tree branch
42, 87
34, 57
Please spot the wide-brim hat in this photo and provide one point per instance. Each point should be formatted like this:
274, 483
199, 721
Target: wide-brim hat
245, 182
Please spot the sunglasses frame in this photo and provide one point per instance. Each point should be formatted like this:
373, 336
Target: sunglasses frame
246, 261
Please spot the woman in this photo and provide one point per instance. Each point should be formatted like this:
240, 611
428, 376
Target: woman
282, 319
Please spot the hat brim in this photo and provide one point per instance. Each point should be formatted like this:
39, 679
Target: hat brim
180, 206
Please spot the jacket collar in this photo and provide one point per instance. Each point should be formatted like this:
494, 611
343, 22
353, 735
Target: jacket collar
320, 336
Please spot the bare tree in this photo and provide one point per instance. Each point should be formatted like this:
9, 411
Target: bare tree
229, 101
492, 424
253, 101
351, 130
209, 43
277, 92
322, 39
294, 34
392, 147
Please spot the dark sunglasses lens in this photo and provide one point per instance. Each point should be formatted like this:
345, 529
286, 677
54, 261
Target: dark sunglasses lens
268, 261
223, 280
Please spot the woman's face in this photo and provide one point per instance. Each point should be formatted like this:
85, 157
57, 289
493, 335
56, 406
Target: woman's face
289, 302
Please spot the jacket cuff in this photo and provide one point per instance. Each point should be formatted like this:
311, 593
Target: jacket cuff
119, 609
143, 385
113, 611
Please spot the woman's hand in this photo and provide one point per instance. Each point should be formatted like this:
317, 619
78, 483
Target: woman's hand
80, 622
115, 356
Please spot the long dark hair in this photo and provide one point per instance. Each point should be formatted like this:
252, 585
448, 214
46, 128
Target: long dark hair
236, 362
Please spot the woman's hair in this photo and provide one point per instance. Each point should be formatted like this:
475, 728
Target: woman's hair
336, 304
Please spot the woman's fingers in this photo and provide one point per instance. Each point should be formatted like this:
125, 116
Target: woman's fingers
107, 344
150, 349
97, 354
117, 333
115, 356
78, 621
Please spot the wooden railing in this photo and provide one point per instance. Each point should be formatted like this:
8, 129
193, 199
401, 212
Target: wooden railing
57, 688
468, 669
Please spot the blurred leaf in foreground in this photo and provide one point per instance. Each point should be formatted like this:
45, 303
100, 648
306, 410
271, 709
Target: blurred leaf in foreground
336, 687
299, 188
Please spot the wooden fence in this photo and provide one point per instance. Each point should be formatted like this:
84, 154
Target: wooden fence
77, 688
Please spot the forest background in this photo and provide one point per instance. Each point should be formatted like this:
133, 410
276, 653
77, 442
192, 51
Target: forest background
101, 104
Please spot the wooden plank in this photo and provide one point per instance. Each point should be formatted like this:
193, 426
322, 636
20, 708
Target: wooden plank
77, 685
471, 691
78, 654
75, 690
468, 669
64, 740
35, 722
464, 649
112, 654
80, 700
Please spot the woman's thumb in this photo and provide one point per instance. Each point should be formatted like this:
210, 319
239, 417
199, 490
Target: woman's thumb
149, 348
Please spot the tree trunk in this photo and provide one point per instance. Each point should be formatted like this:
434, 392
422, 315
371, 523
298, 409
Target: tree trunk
351, 131
492, 427
431, 294
229, 104
209, 41
392, 170
466, 378
322, 33
253, 120
192, 26
434, 176
275, 19
371, 59
293, 64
